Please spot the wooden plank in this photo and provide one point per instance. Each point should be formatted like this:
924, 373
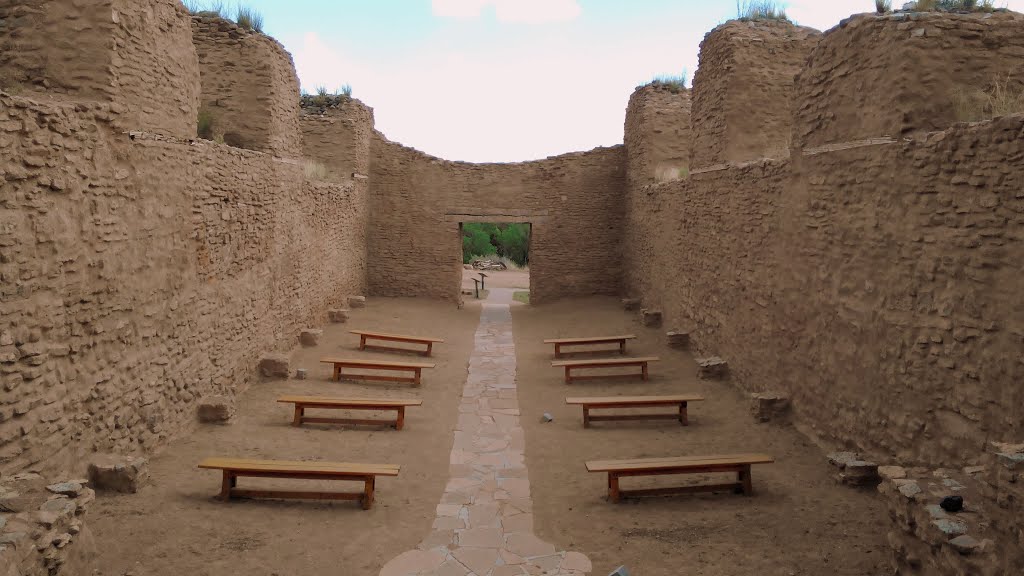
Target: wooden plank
321, 402
295, 495
631, 417
396, 337
602, 362
376, 364
630, 401
590, 340
246, 465
678, 463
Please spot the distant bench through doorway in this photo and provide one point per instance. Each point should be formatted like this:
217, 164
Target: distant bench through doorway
563, 342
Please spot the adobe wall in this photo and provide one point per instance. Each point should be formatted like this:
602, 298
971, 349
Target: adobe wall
657, 133
136, 55
338, 134
417, 201
743, 90
140, 271
890, 76
877, 283
249, 87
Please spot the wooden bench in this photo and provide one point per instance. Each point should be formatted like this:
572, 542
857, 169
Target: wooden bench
562, 342
679, 401
381, 405
234, 468
364, 336
570, 365
414, 367
738, 463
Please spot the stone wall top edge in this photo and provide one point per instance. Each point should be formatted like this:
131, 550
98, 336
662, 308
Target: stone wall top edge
995, 17
212, 27
617, 148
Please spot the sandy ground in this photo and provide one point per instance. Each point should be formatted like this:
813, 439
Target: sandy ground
800, 522
174, 526
511, 278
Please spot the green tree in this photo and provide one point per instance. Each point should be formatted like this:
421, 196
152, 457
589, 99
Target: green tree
513, 242
475, 242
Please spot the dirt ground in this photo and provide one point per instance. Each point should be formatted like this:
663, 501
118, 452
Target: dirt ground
174, 526
511, 278
800, 522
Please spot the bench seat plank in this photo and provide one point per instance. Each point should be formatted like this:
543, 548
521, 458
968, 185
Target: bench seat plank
233, 468
681, 401
569, 365
588, 341
415, 367
376, 404
738, 463
365, 335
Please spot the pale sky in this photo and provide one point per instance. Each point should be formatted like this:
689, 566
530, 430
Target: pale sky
506, 80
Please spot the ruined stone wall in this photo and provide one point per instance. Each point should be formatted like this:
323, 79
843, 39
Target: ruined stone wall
877, 283
743, 90
249, 87
139, 275
574, 202
338, 135
657, 135
137, 55
889, 76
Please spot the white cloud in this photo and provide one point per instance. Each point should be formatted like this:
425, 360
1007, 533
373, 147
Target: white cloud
522, 11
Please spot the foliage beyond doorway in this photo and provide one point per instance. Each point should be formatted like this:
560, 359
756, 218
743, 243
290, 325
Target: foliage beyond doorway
511, 241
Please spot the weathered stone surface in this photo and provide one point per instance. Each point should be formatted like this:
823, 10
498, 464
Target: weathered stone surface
892, 472
860, 473
650, 318
841, 459
216, 409
712, 368
964, 544
301, 373
357, 302
118, 473
275, 365
768, 406
66, 488
678, 339
338, 315
310, 337
631, 304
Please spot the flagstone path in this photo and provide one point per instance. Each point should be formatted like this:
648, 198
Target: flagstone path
484, 523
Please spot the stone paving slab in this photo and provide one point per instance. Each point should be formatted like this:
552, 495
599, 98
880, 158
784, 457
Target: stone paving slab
484, 522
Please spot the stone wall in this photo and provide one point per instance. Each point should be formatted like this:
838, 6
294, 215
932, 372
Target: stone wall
657, 134
417, 202
743, 90
338, 132
889, 76
249, 87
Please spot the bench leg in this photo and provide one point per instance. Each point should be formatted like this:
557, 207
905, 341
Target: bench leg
368, 493
586, 417
743, 479
558, 350
683, 418
400, 421
643, 373
430, 349
300, 411
613, 487
337, 372
228, 481
362, 342
416, 378
568, 376
622, 347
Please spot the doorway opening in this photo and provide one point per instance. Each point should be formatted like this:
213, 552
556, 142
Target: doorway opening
496, 257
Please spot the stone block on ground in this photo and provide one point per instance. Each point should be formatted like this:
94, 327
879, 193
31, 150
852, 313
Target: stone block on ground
678, 339
357, 301
275, 365
301, 373
840, 459
216, 409
310, 337
631, 304
650, 318
118, 473
768, 406
860, 473
712, 368
338, 315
